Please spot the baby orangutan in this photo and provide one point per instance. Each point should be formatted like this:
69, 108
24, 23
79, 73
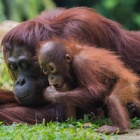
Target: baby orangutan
80, 75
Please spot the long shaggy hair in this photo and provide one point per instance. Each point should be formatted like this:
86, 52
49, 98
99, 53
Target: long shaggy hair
83, 24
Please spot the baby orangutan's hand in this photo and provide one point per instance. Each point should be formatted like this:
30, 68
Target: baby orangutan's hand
51, 94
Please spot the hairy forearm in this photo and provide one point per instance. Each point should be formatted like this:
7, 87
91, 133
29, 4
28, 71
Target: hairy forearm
7, 97
78, 97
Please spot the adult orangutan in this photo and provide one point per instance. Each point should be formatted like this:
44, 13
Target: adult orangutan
80, 75
20, 44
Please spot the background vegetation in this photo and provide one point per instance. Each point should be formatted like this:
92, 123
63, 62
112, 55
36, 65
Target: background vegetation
127, 12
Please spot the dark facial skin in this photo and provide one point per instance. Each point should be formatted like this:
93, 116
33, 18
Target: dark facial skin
55, 78
29, 81
58, 77
59, 70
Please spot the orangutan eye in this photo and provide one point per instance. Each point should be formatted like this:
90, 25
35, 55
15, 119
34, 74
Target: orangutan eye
13, 67
52, 68
68, 58
45, 71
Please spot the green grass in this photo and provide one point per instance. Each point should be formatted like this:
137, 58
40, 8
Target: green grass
135, 123
69, 130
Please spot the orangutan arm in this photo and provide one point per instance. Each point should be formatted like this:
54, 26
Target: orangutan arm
7, 96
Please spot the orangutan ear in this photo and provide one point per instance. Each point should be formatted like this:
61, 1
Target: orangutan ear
68, 58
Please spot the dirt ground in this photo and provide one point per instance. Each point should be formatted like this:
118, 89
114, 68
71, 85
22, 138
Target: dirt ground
131, 135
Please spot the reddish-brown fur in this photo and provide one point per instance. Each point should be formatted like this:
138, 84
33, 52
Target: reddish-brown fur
11, 111
83, 24
94, 71
6, 97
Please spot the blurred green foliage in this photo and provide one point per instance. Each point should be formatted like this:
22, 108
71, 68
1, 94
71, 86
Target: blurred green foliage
5, 80
20, 10
127, 12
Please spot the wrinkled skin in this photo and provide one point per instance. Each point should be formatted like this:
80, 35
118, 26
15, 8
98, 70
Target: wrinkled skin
29, 81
